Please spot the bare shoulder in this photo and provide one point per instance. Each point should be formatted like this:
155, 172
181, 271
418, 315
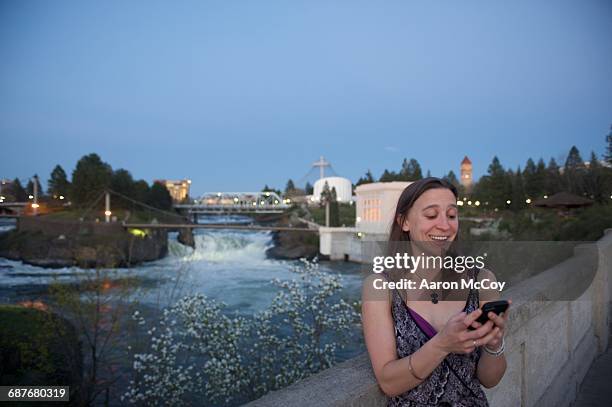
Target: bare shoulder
485, 273
487, 292
374, 288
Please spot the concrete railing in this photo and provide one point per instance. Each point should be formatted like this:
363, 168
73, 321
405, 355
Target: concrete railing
550, 345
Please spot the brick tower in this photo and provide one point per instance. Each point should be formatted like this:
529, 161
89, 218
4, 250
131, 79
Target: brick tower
466, 173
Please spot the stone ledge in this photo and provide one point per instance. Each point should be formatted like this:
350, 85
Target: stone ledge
351, 383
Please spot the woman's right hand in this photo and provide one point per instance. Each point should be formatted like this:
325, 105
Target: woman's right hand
456, 338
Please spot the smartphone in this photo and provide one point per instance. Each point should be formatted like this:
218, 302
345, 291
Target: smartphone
494, 306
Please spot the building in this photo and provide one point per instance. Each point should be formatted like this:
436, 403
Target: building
344, 188
179, 190
376, 203
466, 173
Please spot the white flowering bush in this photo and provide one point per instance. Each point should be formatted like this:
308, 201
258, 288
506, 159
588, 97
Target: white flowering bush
197, 354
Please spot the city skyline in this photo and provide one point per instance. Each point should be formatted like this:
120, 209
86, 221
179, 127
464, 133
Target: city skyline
237, 96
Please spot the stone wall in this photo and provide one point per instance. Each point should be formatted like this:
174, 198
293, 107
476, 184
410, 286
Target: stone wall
550, 345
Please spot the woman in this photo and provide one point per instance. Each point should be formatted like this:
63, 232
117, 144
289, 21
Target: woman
425, 350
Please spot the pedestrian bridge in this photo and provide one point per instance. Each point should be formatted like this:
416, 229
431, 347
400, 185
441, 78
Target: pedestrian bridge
237, 203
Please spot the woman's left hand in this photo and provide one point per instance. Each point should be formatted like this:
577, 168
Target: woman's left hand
500, 324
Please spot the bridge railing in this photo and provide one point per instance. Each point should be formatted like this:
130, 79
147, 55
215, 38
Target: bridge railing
549, 347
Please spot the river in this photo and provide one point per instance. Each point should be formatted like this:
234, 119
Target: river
227, 265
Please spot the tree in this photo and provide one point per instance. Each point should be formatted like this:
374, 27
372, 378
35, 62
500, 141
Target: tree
30, 186
290, 187
574, 172
595, 180
518, 190
18, 192
123, 183
496, 186
451, 178
266, 188
140, 190
159, 197
308, 188
411, 171
367, 179
89, 179
388, 176
554, 182
608, 154
58, 183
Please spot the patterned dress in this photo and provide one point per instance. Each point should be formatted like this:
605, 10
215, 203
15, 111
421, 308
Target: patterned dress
453, 382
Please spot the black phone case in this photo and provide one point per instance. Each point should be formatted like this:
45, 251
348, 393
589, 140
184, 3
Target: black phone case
494, 306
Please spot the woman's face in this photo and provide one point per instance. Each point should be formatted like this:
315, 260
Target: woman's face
433, 218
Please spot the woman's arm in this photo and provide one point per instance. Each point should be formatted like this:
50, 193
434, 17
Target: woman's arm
396, 376
491, 368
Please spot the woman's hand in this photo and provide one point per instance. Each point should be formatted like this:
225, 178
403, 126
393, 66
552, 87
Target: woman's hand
456, 338
500, 325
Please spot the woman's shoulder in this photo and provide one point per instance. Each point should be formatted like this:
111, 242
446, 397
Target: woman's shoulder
375, 288
487, 292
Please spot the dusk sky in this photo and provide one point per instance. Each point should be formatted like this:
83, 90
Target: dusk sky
238, 94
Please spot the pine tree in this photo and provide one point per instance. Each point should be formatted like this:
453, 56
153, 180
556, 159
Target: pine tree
411, 171
367, 179
30, 186
18, 192
452, 178
574, 172
496, 186
308, 188
290, 187
58, 184
554, 181
608, 154
388, 176
594, 179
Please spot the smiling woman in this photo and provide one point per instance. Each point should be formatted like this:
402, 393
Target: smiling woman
426, 352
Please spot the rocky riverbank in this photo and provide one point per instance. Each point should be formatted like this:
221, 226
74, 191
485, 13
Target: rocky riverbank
293, 245
119, 249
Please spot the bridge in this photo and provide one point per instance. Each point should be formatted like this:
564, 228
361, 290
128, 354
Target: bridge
216, 226
236, 203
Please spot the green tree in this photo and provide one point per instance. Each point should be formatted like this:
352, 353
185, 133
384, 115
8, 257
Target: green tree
608, 154
554, 181
290, 187
159, 197
597, 180
30, 186
266, 188
496, 186
308, 188
451, 178
58, 183
518, 189
123, 183
574, 172
388, 176
89, 179
18, 192
367, 179
140, 191
411, 171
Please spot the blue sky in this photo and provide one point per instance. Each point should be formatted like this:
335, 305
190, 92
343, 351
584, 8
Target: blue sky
238, 94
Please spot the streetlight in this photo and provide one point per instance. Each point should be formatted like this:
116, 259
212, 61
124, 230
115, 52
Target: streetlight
477, 203
528, 201
508, 202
